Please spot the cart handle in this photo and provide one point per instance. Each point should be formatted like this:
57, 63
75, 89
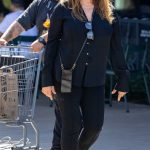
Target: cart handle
12, 46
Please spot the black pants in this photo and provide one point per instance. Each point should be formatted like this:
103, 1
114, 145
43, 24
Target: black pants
56, 142
87, 104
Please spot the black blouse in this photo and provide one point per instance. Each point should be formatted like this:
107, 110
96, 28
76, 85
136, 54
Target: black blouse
93, 59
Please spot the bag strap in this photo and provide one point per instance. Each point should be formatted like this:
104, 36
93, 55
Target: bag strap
75, 63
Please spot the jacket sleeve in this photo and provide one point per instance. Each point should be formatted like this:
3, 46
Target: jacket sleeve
117, 59
52, 46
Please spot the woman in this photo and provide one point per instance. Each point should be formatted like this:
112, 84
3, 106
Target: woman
80, 36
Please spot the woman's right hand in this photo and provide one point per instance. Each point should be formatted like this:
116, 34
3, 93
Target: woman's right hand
49, 92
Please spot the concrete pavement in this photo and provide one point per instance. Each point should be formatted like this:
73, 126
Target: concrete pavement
121, 131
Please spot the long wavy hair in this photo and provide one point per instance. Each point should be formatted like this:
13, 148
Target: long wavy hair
103, 7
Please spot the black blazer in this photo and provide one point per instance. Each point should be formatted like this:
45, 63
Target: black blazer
72, 33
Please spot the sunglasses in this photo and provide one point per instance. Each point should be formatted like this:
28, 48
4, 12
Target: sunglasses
90, 34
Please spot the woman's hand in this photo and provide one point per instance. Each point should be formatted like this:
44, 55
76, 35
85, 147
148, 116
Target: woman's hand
49, 92
120, 94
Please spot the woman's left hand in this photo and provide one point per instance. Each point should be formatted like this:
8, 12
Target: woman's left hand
120, 94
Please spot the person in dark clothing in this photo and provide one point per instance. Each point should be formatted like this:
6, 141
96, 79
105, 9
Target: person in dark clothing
36, 14
82, 35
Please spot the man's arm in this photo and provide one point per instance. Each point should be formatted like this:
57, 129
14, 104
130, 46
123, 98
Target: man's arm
13, 31
37, 46
24, 22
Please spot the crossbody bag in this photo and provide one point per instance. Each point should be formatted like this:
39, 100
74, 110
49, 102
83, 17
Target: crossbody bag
66, 78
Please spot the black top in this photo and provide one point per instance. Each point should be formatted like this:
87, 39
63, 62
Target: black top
72, 33
36, 14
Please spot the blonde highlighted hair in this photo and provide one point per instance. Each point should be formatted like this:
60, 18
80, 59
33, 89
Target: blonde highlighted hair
103, 7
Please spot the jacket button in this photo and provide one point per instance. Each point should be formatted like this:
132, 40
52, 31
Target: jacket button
87, 54
87, 43
86, 64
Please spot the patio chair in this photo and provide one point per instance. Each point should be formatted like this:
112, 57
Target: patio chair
137, 59
144, 63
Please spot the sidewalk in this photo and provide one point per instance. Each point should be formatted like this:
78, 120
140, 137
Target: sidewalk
121, 131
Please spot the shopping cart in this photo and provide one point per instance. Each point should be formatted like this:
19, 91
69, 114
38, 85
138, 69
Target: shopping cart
19, 77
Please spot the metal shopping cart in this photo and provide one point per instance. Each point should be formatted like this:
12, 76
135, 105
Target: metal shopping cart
19, 77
